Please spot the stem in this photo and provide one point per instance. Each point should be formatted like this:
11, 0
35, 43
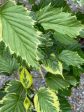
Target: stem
41, 74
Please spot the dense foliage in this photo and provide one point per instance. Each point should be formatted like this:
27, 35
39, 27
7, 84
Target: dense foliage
41, 45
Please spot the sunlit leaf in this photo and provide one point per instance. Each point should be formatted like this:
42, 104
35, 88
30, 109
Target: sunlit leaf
26, 78
18, 33
71, 58
46, 101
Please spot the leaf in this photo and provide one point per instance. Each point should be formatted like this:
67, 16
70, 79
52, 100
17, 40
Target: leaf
64, 104
81, 2
57, 82
26, 78
18, 32
53, 65
46, 101
71, 80
12, 102
26, 103
14, 86
8, 64
71, 58
82, 33
2, 93
61, 22
64, 39
0, 29
77, 71
63, 99
14, 98
56, 3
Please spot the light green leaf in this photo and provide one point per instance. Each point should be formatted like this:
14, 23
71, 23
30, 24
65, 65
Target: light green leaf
64, 39
53, 65
26, 78
61, 22
81, 2
18, 32
46, 101
12, 103
26, 103
71, 58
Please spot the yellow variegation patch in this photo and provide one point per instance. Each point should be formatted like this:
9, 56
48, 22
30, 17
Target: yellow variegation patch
27, 103
46, 101
26, 78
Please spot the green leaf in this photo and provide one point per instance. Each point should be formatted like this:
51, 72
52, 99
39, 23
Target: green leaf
0, 28
14, 98
53, 65
64, 39
71, 58
82, 33
14, 86
81, 2
63, 99
18, 32
77, 71
12, 102
64, 104
8, 64
26, 78
71, 80
57, 82
61, 22
46, 101
56, 3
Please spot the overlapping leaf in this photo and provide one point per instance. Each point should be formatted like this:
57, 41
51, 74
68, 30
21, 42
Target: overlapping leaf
57, 82
12, 102
53, 65
64, 104
56, 3
26, 78
61, 22
71, 58
46, 101
8, 64
64, 39
82, 33
14, 86
18, 33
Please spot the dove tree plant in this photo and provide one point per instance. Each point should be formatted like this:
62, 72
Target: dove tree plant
41, 48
